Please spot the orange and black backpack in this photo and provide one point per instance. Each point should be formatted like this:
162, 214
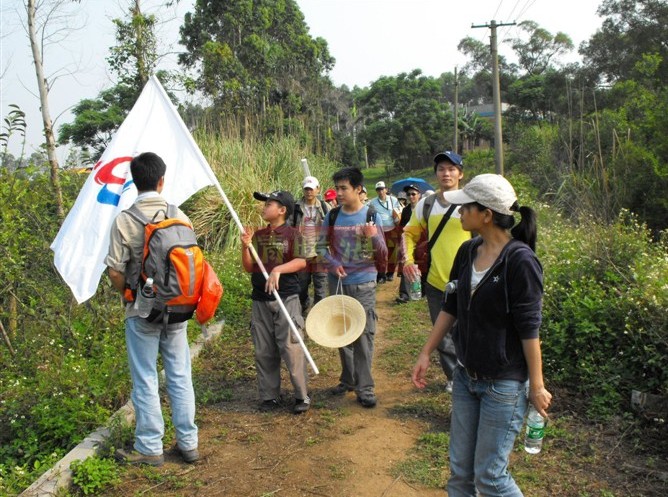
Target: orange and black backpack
176, 263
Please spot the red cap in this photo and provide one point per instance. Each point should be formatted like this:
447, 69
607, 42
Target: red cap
330, 194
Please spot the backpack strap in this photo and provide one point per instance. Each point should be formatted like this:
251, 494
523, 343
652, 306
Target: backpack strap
427, 207
172, 211
136, 214
333, 214
439, 228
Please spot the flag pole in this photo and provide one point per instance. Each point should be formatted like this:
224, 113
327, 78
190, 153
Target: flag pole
307, 171
234, 215
295, 332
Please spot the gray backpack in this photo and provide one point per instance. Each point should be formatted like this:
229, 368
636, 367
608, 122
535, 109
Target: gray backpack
174, 260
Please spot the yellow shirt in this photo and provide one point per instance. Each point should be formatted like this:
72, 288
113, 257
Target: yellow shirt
447, 244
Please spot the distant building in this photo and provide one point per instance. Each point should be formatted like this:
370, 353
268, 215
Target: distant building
486, 110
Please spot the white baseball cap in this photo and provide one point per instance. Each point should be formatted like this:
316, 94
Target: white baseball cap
380, 184
310, 182
490, 190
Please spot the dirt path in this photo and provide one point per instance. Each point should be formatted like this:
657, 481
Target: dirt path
337, 449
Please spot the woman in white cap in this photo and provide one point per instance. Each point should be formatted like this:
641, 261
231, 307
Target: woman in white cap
497, 306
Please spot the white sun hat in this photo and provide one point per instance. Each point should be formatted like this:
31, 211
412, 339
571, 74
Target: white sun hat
490, 190
336, 321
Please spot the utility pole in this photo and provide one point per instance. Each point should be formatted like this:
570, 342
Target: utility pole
456, 140
496, 93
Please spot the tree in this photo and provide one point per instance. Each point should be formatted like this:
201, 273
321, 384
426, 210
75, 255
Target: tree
253, 54
536, 55
631, 28
478, 72
406, 120
133, 59
15, 123
135, 54
473, 129
39, 15
96, 120
540, 96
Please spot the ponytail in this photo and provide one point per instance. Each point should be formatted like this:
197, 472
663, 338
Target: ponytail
526, 231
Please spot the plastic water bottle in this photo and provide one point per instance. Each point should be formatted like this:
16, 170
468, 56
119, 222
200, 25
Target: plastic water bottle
145, 299
533, 441
415, 287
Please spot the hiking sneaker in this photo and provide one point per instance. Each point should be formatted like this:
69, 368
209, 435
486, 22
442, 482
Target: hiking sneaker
402, 300
269, 405
189, 456
137, 458
367, 400
390, 277
380, 280
448, 386
301, 405
341, 389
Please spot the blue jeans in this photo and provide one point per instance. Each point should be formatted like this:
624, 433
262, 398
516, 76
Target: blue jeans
446, 349
487, 415
144, 340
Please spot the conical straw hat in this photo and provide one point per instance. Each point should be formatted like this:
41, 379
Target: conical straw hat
336, 321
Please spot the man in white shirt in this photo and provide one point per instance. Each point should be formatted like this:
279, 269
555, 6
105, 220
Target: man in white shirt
389, 212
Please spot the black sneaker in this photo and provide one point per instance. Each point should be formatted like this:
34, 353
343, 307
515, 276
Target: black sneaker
367, 400
341, 389
269, 405
401, 300
390, 277
301, 405
380, 280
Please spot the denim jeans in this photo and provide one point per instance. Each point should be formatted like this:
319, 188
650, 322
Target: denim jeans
144, 340
487, 415
446, 349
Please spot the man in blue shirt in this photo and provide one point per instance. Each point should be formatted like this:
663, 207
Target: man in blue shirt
389, 213
352, 244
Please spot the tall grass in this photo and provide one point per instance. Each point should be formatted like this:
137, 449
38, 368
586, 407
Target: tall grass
243, 167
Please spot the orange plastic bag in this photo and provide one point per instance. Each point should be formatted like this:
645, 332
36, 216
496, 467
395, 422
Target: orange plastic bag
212, 292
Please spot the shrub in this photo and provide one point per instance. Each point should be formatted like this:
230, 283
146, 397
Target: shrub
94, 474
605, 329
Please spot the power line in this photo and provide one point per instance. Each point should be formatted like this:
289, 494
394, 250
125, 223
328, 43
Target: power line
497, 9
512, 11
527, 5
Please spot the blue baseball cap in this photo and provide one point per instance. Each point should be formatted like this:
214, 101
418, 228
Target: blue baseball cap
449, 156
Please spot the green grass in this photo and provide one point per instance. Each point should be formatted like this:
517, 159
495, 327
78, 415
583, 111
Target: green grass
428, 460
405, 337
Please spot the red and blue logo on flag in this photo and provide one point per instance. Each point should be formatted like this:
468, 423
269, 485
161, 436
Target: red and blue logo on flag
104, 175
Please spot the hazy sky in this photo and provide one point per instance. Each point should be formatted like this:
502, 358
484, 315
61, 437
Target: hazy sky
368, 38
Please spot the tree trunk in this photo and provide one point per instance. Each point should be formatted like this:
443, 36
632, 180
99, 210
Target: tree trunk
140, 45
13, 315
43, 86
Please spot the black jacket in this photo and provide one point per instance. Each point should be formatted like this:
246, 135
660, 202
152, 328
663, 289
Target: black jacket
504, 309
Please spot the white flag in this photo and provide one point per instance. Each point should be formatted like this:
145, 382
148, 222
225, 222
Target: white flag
153, 125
